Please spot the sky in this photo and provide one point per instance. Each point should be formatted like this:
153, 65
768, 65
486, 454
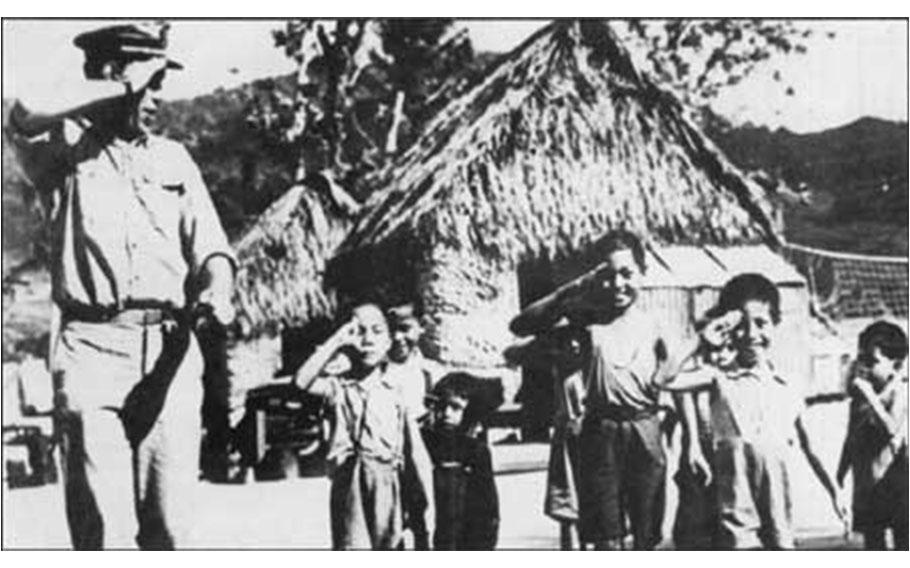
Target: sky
862, 71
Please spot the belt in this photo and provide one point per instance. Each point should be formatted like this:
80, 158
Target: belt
132, 314
620, 414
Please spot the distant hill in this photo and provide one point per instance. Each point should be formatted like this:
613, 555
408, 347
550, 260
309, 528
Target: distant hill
854, 176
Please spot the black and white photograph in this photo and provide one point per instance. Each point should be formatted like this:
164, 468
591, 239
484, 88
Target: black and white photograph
455, 283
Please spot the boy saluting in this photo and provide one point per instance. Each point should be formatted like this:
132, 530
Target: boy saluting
374, 439
754, 412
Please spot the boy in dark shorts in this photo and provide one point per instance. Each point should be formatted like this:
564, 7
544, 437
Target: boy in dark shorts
875, 449
621, 458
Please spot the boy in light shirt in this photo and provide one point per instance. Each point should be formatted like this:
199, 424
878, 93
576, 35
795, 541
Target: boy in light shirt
754, 413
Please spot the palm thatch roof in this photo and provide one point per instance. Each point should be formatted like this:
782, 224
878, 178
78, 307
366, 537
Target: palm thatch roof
564, 141
281, 260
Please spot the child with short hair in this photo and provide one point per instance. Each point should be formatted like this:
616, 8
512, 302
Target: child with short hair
754, 412
622, 463
416, 376
875, 448
557, 353
561, 501
417, 373
374, 438
467, 503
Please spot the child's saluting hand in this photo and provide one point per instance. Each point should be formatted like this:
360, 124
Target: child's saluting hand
347, 334
718, 331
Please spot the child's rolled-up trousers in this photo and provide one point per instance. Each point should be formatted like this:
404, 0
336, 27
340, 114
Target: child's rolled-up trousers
753, 492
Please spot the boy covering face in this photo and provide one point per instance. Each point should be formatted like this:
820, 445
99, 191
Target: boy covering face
875, 449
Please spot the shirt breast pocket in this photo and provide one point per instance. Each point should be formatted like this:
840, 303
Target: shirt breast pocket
164, 204
176, 188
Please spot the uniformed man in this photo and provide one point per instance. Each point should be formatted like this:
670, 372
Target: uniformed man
137, 247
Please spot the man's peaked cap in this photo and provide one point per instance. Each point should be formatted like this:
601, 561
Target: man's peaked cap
134, 40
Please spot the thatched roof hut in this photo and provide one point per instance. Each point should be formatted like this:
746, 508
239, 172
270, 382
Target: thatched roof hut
563, 142
282, 258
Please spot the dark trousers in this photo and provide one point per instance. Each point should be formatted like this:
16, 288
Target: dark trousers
621, 481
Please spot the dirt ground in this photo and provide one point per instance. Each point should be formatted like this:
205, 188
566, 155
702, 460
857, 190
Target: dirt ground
293, 513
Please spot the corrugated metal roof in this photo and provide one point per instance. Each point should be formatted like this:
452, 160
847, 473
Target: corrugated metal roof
761, 259
694, 267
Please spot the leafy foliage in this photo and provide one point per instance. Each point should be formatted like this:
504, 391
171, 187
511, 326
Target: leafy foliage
362, 91
244, 169
698, 58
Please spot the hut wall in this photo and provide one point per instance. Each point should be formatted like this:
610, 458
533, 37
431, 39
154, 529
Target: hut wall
674, 306
469, 305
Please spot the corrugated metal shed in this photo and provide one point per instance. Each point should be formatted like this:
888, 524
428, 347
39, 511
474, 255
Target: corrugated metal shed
711, 267
682, 282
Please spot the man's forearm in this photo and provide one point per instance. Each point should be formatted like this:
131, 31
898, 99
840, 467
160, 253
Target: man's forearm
216, 286
35, 116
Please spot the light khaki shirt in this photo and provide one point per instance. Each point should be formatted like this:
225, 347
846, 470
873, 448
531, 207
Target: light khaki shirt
131, 221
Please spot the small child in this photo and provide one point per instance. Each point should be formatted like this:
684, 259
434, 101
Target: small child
754, 412
875, 449
467, 503
374, 438
696, 513
416, 375
559, 354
